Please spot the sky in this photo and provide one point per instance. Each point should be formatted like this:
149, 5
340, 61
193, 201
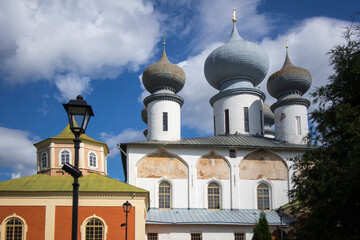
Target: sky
53, 50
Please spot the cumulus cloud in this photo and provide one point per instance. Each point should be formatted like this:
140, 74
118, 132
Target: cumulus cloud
91, 39
17, 152
128, 135
71, 85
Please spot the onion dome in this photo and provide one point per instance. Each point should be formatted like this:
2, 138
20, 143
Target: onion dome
269, 118
289, 80
144, 115
163, 75
237, 60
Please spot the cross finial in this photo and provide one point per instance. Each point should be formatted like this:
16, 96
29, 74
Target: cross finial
287, 43
164, 41
234, 18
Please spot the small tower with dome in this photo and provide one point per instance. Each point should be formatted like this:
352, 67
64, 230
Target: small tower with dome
235, 69
288, 85
163, 80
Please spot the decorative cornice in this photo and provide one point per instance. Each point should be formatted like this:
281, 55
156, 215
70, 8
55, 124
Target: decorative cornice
163, 88
164, 96
65, 195
289, 92
237, 91
294, 101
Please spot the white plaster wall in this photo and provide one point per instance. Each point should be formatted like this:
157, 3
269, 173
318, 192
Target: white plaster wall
286, 129
191, 192
155, 111
236, 105
209, 232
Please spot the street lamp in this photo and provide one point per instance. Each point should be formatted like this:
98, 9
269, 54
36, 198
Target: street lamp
127, 207
280, 212
79, 114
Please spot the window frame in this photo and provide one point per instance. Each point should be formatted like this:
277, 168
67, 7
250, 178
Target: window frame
246, 120
164, 194
213, 195
165, 121
298, 125
89, 159
4, 226
263, 197
60, 155
86, 221
239, 236
155, 236
194, 237
227, 121
42, 160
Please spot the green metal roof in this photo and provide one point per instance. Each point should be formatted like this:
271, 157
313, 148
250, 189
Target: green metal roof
67, 134
90, 183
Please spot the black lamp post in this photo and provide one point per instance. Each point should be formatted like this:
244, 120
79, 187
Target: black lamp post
127, 207
79, 114
280, 212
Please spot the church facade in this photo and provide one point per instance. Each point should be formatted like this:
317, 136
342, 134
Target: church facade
216, 187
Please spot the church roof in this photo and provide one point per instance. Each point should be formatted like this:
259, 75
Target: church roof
44, 183
218, 217
67, 134
232, 141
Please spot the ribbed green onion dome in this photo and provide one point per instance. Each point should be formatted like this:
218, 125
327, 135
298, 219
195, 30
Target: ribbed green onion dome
144, 115
269, 118
289, 80
163, 75
237, 60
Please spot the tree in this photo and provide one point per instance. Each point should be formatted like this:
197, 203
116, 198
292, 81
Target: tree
327, 183
261, 230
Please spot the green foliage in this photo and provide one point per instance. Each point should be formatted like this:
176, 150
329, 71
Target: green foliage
261, 230
327, 187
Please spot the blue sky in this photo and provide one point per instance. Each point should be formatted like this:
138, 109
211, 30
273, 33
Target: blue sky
51, 51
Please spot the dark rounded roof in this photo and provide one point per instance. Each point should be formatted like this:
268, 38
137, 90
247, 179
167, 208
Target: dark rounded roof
236, 59
144, 115
163, 74
269, 118
289, 80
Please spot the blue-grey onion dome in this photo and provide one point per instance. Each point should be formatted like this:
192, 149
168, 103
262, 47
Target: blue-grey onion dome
269, 118
163, 74
144, 115
289, 80
237, 60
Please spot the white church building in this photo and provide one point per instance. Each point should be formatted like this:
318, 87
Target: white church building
216, 187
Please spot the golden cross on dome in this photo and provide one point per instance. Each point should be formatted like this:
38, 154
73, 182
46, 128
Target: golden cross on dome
234, 18
287, 43
164, 41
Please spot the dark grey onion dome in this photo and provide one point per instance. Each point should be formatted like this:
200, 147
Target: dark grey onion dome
237, 60
269, 118
289, 80
163, 75
144, 115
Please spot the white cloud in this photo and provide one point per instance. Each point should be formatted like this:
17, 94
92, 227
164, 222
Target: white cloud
17, 152
96, 39
128, 135
71, 86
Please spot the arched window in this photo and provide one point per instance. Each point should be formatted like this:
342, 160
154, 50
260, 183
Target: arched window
14, 229
44, 160
92, 159
263, 196
65, 157
213, 196
164, 195
94, 229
